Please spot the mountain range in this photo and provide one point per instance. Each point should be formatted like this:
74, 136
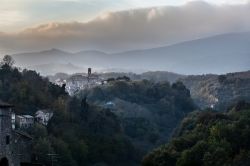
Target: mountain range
217, 54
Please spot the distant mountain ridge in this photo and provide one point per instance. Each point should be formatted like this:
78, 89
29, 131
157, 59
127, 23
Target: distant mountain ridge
54, 68
217, 54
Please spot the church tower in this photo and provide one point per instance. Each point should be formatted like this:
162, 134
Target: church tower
89, 72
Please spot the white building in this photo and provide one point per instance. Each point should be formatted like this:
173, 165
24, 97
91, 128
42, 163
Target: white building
43, 116
79, 82
24, 121
13, 120
109, 105
60, 82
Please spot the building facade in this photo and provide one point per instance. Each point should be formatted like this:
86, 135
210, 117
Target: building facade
24, 121
14, 146
43, 116
6, 154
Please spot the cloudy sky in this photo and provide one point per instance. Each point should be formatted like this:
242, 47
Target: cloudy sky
113, 26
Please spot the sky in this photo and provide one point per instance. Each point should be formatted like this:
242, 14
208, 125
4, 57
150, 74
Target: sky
113, 26
20, 14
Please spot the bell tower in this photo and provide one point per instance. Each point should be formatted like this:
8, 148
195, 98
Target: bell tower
89, 72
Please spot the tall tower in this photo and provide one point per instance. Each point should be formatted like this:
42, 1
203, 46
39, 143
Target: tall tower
5, 134
89, 72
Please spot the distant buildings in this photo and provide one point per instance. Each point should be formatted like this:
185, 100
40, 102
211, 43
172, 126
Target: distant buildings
24, 121
109, 105
78, 82
27, 121
60, 82
43, 116
15, 144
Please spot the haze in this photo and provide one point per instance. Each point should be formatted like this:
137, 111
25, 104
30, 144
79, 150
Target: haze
111, 26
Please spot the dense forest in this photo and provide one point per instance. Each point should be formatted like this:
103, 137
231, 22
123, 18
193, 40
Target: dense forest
148, 111
85, 132
79, 133
116, 124
208, 138
218, 91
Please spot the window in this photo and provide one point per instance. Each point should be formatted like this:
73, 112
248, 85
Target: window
7, 140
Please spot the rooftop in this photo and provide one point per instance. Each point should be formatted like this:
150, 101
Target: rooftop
25, 116
28, 116
23, 134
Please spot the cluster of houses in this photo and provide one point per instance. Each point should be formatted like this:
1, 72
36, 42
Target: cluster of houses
27, 121
78, 82
81, 81
15, 143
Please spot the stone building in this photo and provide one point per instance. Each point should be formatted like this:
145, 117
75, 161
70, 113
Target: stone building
24, 121
14, 145
78, 82
43, 116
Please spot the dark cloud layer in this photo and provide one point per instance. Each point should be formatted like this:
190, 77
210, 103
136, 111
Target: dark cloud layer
132, 29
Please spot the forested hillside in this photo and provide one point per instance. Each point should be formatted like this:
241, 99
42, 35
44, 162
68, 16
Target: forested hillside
219, 91
156, 76
83, 130
117, 123
148, 111
208, 138
79, 133
26, 89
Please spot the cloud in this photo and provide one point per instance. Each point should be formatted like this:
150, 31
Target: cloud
10, 17
133, 29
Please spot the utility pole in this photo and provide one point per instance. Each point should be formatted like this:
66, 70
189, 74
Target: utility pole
53, 158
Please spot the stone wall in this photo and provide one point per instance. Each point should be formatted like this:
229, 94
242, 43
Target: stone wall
6, 138
14, 146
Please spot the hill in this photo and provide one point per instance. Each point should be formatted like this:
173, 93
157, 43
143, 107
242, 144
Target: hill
207, 91
219, 91
155, 76
42, 57
217, 54
207, 138
148, 111
87, 131
80, 133
54, 68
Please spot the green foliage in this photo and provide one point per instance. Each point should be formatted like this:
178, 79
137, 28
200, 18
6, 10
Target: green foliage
82, 132
148, 111
207, 138
7, 61
42, 148
27, 89
76, 135
222, 79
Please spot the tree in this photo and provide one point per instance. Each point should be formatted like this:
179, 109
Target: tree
222, 79
7, 60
